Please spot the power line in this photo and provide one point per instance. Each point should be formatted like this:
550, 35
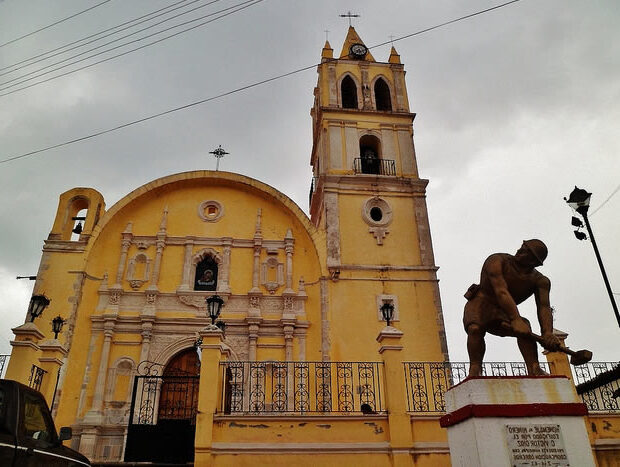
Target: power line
103, 45
238, 6
234, 91
135, 20
606, 201
53, 24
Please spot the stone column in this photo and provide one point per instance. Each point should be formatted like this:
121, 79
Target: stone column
160, 243
252, 339
51, 359
224, 281
401, 439
209, 393
288, 248
187, 263
25, 352
256, 268
94, 415
125, 243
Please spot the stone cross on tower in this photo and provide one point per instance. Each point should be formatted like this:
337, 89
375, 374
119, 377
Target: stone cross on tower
349, 15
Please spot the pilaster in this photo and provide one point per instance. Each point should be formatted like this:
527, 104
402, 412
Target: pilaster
26, 352
401, 438
51, 359
209, 393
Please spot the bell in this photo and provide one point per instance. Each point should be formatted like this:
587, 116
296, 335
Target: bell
77, 229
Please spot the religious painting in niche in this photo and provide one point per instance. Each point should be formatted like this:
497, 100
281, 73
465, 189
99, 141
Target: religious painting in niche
206, 275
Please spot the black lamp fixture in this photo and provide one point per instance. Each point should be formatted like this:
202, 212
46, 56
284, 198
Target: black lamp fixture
579, 200
57, 324
38, 303
387, 310
214, 306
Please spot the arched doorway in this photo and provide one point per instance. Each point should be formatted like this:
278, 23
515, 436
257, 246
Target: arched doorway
162, 421
178, 399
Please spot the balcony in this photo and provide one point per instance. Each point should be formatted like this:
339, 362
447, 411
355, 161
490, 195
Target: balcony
302, 388
427, 382
363, 165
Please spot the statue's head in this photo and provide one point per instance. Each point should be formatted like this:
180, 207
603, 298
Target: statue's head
532, 253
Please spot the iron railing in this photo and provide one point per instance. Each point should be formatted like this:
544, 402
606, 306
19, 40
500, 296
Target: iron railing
36, 377
427, 382
375, 166
157, 398
268, 387
4, 360
598, 384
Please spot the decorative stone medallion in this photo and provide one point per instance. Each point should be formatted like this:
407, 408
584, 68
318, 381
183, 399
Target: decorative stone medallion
210, 211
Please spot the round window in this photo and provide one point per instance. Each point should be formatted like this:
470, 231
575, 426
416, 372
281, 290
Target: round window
376, 214
210, 211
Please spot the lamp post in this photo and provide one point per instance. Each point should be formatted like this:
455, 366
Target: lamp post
57, 324
579, 200
214, 306
387, 310
38, 303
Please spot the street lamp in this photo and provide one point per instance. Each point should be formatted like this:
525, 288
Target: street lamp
387, 310
579, 200
214, 306
38, 303
57, 324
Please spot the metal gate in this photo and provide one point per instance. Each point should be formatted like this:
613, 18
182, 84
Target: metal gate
162, 421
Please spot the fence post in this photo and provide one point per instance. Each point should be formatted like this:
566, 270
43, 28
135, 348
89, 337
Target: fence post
52, 355
399, 421
25, 352
558, 361
208, 393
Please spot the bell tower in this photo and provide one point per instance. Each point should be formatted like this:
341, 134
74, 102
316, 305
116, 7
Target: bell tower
366, 194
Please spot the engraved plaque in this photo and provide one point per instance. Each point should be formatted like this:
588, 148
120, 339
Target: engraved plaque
536, 445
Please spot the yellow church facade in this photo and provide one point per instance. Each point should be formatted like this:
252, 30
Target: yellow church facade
303, 370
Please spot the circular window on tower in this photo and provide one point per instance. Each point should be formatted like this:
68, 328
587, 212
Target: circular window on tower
376, 212
210, 211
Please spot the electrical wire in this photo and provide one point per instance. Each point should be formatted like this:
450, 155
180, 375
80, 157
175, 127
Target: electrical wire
53, 24
239, 6
234, 91
102, 37
616, 190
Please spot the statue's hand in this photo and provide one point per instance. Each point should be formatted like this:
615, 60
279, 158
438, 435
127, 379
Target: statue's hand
550, 342
520, 327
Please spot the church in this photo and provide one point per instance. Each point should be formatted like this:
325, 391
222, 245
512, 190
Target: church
208, 319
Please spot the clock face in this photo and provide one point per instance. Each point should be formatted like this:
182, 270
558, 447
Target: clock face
358, 50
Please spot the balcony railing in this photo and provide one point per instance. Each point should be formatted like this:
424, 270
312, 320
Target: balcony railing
598, 384
4, 360
36, 377
427, 382
303, 388
375, 166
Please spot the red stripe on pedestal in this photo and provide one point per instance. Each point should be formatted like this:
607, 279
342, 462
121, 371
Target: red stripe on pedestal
513, 410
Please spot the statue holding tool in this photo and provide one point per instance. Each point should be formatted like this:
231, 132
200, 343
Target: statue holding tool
505, 282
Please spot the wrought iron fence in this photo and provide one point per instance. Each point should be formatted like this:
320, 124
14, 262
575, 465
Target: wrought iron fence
302, 387
36, 377
157, 398
598, 384
4, 360
374, 166
427, 382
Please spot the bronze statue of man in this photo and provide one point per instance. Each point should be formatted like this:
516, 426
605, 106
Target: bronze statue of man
505, 282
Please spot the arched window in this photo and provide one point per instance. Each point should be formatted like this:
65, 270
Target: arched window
348, 91
206, 274
382, 95
369, 154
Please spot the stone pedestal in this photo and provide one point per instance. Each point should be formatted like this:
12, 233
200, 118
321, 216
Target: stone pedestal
399, 420
516, 421
25, 352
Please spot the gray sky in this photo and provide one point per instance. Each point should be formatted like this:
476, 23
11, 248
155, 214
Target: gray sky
514, 108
